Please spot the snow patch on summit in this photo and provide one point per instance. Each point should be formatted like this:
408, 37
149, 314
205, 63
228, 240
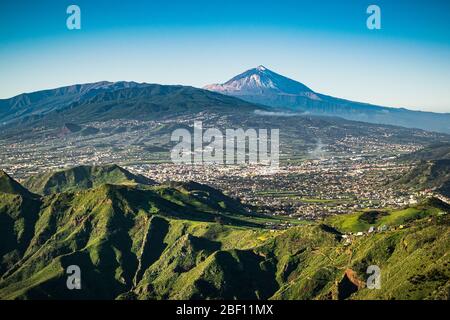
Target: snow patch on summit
260, 80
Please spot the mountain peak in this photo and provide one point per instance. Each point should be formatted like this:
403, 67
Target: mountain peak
83, 177
260, 80
11, 186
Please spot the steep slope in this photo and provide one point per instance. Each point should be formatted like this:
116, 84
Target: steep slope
83, 177
438, 151
112, 232
120, 100
212, 197
386, 218
413, 262
45, 101
165, 242
19, 210
263, 86
433, 174
261, 80
308, 262
10, 186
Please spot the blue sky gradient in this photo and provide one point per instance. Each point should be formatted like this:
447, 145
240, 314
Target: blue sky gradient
324, 44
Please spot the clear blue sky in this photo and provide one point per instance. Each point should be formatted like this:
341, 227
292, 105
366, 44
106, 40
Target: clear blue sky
324, 44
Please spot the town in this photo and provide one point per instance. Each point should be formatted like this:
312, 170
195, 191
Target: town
352, 173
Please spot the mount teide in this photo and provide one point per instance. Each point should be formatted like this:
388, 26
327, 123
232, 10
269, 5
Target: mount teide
263, 86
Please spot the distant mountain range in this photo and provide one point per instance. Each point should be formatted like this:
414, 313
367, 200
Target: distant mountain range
263, 86
258, 88
103, 115
114, 100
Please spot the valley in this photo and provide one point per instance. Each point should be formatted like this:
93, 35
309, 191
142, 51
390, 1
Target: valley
232, 159
189, 241
334, 166
87, 180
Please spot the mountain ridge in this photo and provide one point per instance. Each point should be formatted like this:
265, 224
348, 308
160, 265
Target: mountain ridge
119, 100
83, 177
165, 242
11, 186
293, 95
257, 88
258, 80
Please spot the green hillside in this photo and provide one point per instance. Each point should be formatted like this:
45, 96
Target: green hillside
362, 221
436, 151
414, 264
10, 186
428, 175
82, 177
189, 241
